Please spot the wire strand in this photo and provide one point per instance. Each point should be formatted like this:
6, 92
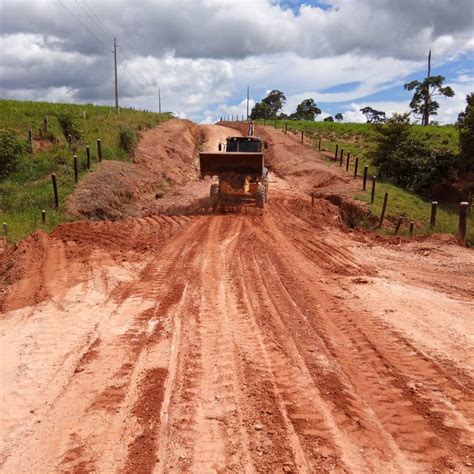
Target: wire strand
80, 23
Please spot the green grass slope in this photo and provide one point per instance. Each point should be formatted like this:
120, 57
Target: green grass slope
24, 193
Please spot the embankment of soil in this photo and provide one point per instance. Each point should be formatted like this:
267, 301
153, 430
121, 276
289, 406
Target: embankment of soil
165, 156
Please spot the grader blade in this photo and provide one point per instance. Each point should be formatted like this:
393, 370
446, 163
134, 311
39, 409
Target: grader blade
215, 164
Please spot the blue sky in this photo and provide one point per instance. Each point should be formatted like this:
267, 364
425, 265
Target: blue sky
202, 54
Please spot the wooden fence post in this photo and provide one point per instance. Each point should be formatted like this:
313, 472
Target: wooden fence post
434, 206
372, 196
76, 173
356, 167
5, 229
412, 227
399, 223
99, 149
55, 191
43, 216
302, 136
30, 139
462, 222
88, 157
319, 144
384, 208
335, 153
348, 159
45, 124
69, 140
364, 181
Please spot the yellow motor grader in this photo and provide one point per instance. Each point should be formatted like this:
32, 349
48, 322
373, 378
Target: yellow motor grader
239, 167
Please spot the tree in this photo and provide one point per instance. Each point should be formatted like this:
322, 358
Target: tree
373, 116
422, 103
261, 111
339, 117
275, 99
466, 135
328, 119
307, 110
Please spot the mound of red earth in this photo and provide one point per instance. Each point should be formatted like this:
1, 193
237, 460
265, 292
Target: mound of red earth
165, 156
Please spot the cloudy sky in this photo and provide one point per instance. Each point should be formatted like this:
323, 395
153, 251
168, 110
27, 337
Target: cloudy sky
345, 54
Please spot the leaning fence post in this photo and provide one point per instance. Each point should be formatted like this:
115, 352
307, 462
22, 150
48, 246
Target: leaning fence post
372, 196
335, 153
99, 149
364, 181
356, 166
397, 227
76, 173
412, 227
88, 157
55, 191
43, 216
384, 208
348, 160
30, 139
462, 222
434, 206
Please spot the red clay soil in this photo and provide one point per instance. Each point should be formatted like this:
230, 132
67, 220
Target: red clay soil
268, 341
165, 156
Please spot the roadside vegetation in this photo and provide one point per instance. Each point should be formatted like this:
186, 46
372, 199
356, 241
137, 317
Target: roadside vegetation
25, 180
362, 141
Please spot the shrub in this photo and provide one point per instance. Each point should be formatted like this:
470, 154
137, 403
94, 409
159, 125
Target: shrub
68, 127
128, 140
11, 150
405, 160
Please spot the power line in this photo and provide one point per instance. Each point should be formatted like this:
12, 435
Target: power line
80, 22
90, 17
105, 29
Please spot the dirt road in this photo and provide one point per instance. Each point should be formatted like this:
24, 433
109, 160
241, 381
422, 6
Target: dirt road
245, 342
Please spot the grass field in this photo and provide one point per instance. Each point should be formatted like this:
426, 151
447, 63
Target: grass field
29, 190
358, 139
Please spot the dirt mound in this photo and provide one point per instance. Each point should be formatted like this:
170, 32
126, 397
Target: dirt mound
27, 268
165, 156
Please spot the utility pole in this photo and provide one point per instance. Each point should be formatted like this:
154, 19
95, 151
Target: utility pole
159, 101
248, 96
426, 112
116, 78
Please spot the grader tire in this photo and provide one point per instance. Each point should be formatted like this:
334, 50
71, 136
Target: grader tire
260, 196
214, 195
